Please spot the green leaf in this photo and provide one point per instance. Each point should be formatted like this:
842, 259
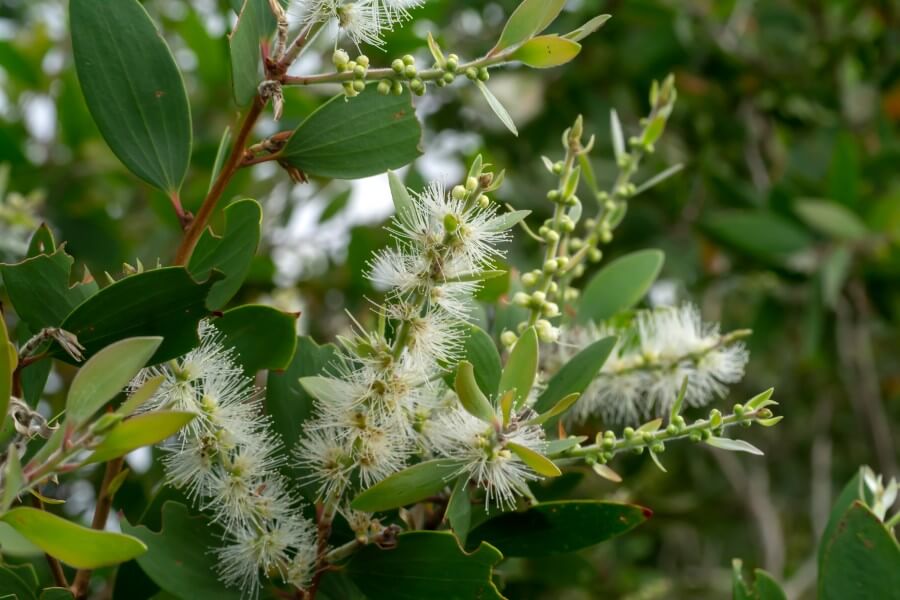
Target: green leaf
576, 374
588, 28
530, 18
133, 89
78, 546
844, 175
470, 395
760, 234
106, 374
845, 499
254, 25
506, 220
408, 486
139, 396
558, 527
734, 445
403, 203
42, 242
56, 594
861, 559
521, 366
425, 564
178, 557
546, 51
764, 588
221, 156
13, 479
231, 254
334, 207
538, 463
480, 350
620, 285
263, 337
498, 108
39, 289
287, 401
459, 509
163, 302
6, 372
834, 272
139, 431
15, 584
559, 408
831, 219
356, 137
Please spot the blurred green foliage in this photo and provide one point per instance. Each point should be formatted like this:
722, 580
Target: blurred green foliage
786, 219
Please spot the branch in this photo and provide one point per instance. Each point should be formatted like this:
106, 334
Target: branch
101, 514
192, 235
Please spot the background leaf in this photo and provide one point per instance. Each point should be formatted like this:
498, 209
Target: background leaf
425, 564
133, 89
254, 25
761, 234
576, 374
619, 285
557, 527
356, 137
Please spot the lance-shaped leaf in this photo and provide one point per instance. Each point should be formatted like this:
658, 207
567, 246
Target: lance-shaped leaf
78, 546
408, 486
479, 349
13, 479
470, 395
506, 220
254, 25
133, 89
356, 137
497, 107
425, 564
577, 374
403, 203
106, 374
143, 430
521, 366
619, 285
558, 527
546, 51
559, 408
539, 463
140, 395
459, 509
576, 35
230, 254
734, 445
529, 19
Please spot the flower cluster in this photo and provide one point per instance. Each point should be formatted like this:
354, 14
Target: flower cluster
384, 401
363, 21
654, 354
226, 460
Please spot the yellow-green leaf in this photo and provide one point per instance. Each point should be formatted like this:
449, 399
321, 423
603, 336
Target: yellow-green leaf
546, 51
537, 461
521, 366
6, 370
143, 430
529, 19
470, 396
73, 544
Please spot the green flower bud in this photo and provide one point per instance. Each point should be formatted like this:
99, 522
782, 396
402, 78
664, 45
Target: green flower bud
566, 224
558, 167
359, 71
448, 78
451, 223
543, 230
340, 59
563, 262
550, 266
594, 255
672, 429
715, 418
552, 236
417, 86
628, 433
471, 184
739, 410
679, 421
452, 63
539, 297
397, 89
483, 74
508, 338
546, 332
553, 195
647, 437
458, 192
408, 59
359, 85
576, 244
384, 87
553, 288
363, 60
484, 201
695, 436
529, 280
550, 309
398, 66
472, 73
705, 434
571, 294
410, 71
521, 299
348, 89
658, 448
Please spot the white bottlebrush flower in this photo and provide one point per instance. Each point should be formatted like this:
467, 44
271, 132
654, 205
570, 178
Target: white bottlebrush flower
363, 21
455, 297
250, 551
484, 454
397, 271
652, 357
326, 460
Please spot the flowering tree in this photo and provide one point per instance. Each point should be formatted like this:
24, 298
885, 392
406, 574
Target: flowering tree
411, 457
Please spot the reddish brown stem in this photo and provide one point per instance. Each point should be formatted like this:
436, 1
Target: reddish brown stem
101, 514
192, 234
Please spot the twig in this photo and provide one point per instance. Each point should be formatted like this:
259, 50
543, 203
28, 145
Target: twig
101, 514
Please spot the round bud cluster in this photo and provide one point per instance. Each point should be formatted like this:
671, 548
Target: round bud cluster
359, 68
478, 74
406, 68
450, 67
